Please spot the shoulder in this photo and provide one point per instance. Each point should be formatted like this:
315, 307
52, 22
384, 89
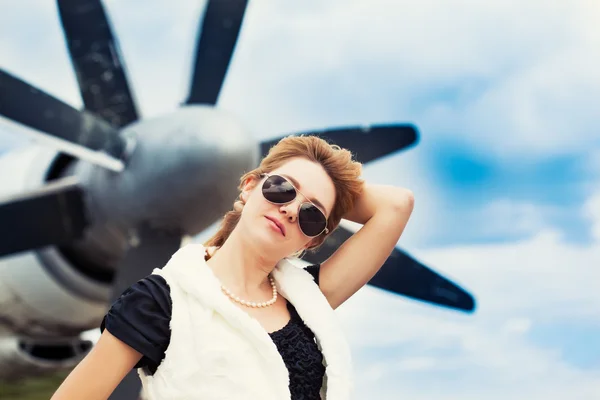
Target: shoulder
179, 265
148, 297
292, 269
141, 317
151, 288
188, 253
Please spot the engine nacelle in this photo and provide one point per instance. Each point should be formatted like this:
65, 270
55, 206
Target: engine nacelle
22, 357
42, 293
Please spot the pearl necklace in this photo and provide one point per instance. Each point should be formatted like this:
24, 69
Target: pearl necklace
252, 303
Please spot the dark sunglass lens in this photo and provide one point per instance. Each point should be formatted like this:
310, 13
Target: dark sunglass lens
278, 190
312, 220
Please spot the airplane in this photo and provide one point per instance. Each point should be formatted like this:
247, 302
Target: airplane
104, 197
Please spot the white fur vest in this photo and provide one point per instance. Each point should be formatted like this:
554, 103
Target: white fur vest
217, 351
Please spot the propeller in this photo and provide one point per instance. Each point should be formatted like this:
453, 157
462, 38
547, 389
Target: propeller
56, 214
402, 274
214, 49
52, 215
96, 58
366, 143
109, 105
27, 105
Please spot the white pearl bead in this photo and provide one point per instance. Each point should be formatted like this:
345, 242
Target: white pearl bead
252, 303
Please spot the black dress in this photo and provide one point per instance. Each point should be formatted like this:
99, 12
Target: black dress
140, 318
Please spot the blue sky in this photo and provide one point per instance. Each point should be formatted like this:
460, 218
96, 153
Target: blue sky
505, 176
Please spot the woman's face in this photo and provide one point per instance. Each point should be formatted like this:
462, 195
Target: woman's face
260, 218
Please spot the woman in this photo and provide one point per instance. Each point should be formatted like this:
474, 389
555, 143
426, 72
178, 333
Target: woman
234, 319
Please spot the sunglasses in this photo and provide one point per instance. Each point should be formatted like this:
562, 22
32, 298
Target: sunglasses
278, 190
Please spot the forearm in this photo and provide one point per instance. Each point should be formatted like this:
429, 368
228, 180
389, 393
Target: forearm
380, 199
384, 212
99, 373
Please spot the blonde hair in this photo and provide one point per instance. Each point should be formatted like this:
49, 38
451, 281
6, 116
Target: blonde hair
337, 162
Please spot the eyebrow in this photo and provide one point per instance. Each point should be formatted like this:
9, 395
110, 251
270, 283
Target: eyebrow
297, 184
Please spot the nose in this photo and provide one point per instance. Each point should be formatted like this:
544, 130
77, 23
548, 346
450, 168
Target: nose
290, 210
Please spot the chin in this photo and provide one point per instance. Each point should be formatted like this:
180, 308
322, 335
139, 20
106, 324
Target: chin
264, 241
275, 248
267, 242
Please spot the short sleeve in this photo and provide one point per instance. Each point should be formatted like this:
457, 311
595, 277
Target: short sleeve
141, 317
314, 271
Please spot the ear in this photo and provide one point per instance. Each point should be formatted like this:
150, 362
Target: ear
247, 187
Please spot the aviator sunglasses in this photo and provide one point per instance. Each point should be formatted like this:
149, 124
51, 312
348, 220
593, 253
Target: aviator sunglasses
278, 190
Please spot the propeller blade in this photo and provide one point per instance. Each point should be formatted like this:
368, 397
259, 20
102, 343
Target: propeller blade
214, 48
96, 58
401, 274
52, 215
366, 143
153, 250
29, 106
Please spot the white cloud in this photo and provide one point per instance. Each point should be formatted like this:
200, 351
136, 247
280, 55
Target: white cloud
521, 77
32, 48
591, 163
416, 364
416, 351
592, 210
517, 325
508, 217
556, 278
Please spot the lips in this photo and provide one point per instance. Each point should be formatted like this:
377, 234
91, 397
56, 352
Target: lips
279, 224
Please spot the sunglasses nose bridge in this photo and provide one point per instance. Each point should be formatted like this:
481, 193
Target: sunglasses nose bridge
291, 209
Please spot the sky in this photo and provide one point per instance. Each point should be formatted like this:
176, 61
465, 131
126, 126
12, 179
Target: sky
505, 175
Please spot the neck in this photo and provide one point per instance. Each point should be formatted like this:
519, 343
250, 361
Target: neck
241, 267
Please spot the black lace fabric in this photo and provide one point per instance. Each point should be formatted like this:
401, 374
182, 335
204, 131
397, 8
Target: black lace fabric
302, 357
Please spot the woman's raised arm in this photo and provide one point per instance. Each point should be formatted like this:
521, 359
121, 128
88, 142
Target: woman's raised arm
384, 212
